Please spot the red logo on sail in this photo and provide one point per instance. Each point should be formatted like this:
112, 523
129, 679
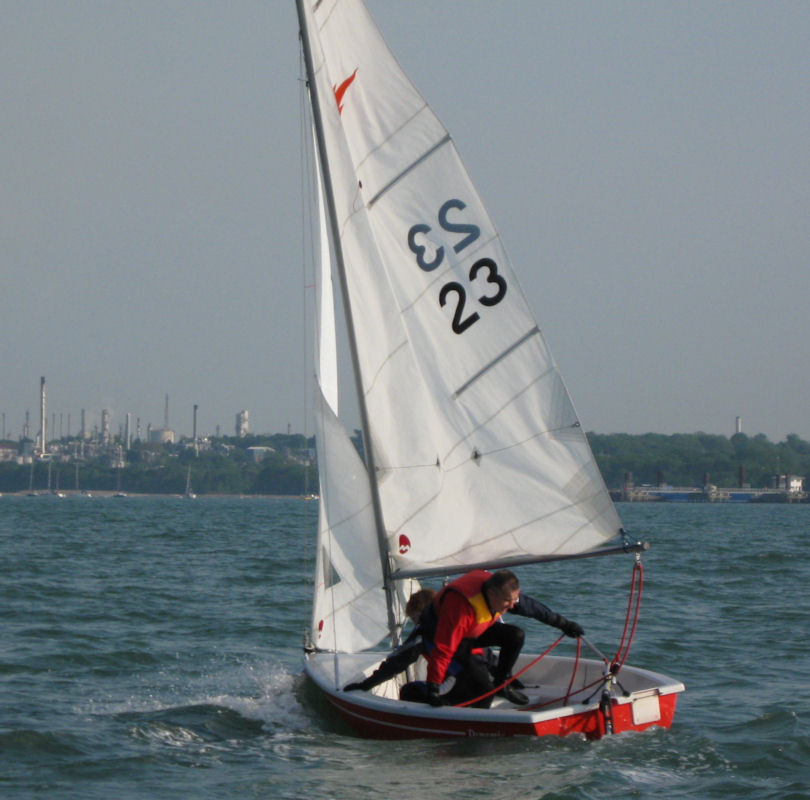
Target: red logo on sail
404, 544
341, 90
320, 627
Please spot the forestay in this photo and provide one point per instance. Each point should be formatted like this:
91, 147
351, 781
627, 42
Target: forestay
480, 456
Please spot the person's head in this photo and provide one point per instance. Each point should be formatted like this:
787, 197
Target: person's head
502, 591
417, 602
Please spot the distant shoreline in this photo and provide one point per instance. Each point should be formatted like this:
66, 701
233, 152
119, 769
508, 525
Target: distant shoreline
106, 493
685, 497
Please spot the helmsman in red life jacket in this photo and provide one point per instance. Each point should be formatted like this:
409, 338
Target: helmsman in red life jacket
462, 618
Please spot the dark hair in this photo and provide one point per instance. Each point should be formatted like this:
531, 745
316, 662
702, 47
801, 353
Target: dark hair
501, 578
417, 602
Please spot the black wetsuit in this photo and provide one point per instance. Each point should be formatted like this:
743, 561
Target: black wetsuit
477, 675
398, 661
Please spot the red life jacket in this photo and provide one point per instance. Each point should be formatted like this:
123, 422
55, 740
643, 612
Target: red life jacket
471, 588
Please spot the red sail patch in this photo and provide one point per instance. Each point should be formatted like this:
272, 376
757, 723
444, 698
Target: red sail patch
341, 90
404, 544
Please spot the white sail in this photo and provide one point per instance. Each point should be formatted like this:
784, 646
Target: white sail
325, 337
349, 611
480, 456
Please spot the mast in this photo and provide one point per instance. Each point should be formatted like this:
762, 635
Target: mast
315, 102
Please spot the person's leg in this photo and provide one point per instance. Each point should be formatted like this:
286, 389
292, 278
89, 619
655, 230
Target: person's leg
472, 681
509, 638
414, 692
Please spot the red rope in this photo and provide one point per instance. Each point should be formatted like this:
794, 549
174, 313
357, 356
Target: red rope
573, 671
627, 614
510, 679
633, 606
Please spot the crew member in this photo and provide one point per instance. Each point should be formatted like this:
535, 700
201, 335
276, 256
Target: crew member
404, 655
462, 618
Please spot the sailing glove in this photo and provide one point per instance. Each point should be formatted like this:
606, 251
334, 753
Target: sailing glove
571, 628
433, 694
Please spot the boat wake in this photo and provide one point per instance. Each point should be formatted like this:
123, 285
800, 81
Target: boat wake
205, 724
261, 702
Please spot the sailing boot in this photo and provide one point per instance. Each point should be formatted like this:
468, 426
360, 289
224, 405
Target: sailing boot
511, 693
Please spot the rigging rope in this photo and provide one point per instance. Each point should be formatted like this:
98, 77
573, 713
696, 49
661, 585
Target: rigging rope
615, 664
511, 677
636, 585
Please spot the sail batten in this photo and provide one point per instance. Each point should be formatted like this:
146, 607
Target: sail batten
533, 332
407, 169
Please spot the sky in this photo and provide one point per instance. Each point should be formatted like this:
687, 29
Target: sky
647, 166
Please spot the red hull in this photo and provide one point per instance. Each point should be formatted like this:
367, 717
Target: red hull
375, 724
650, 700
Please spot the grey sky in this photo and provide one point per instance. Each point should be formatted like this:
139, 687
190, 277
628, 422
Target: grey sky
647, 165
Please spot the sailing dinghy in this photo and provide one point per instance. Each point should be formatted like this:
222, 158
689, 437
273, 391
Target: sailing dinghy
473, 454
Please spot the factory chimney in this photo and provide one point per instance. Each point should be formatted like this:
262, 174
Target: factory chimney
43, 421
166, 414
738, 425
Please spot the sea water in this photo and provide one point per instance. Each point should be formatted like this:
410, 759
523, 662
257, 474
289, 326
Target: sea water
151, 648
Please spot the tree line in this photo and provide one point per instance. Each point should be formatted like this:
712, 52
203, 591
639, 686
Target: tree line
694, 459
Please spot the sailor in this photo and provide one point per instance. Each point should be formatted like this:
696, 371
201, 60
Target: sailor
404, 655
462, 618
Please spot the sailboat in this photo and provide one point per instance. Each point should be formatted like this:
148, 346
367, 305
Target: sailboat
474, 457
188, 493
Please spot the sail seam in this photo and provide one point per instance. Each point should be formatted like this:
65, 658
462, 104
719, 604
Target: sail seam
367, 391
413, 165
506, 404
547, 432
392, 468
398, 468
487, 367
554, 512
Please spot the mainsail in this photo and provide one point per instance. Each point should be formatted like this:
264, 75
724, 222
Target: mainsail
479, 455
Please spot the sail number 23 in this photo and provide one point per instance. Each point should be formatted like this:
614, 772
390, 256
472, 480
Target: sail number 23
464, 234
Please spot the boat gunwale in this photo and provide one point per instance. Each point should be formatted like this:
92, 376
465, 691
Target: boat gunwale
513, 715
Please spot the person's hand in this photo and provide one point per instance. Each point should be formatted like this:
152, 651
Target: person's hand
433, 694
572, 629
353, 687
